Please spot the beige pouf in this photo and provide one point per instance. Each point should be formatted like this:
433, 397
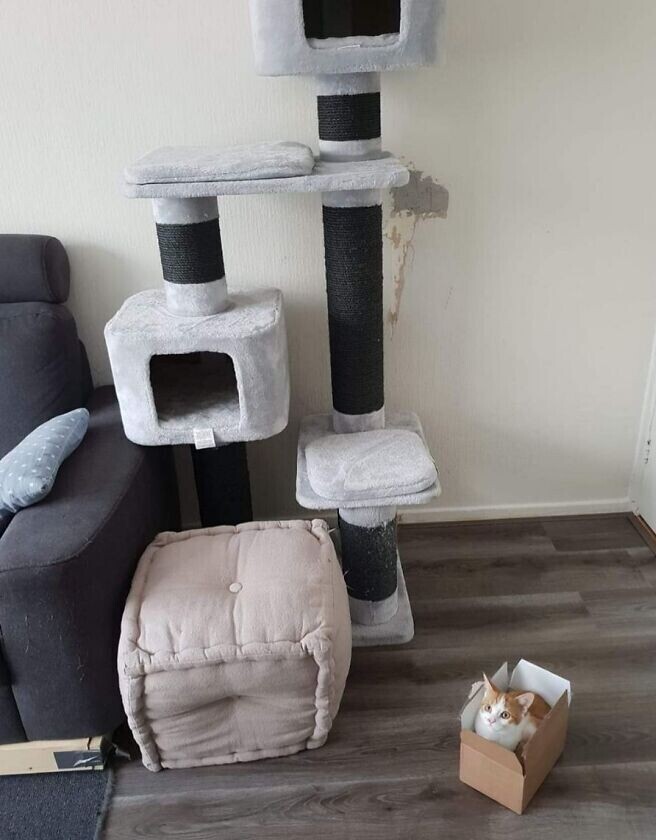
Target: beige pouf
235, 644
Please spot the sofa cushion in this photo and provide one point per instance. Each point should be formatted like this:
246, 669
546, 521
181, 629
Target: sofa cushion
43, 369
235, 643
33, 268
65, 570
28, 472
5, 518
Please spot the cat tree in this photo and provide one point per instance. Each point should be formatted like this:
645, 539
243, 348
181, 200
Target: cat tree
196, 365
357, 459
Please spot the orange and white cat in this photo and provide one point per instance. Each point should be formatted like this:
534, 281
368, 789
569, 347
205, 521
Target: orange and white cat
509, 717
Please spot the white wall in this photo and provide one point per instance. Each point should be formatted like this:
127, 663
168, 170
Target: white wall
526, 322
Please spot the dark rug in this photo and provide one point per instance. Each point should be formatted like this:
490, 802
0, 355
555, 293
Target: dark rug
54, 806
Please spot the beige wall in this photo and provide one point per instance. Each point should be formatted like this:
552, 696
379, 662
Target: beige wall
527, 316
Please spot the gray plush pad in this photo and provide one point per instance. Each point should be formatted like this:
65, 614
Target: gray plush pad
181, 164
281, 48
397, 631
364, 464
226, 373
318, 427
327, 176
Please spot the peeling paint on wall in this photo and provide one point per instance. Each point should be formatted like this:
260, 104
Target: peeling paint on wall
421, 198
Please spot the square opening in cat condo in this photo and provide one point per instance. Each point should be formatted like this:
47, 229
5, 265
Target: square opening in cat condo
346, 18
512, 776
194, 390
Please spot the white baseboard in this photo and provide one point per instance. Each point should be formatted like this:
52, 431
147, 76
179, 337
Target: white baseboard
435, 513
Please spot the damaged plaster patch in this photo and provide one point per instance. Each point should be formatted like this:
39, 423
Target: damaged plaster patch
421, 198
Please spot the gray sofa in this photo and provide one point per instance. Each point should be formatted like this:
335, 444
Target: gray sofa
66, 563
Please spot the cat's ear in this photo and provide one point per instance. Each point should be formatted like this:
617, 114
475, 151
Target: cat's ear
526, 700
489, 685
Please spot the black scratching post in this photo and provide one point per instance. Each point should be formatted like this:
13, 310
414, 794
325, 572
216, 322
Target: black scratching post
354, 286
344, 117
349, 128
369, 558
222, 484
191, 253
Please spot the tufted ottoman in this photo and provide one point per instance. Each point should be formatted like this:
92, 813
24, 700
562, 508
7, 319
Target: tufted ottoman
235, 643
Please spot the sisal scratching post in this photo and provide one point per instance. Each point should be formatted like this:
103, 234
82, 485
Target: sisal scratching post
222, 484
348, 111
189, 239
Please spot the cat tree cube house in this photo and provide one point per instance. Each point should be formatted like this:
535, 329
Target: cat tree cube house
356, 459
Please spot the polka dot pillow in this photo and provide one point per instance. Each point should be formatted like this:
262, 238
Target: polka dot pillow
28, 472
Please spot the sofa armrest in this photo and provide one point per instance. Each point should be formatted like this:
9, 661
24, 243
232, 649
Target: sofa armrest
65, 569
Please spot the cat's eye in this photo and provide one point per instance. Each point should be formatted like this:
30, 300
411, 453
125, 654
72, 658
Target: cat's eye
488, 708
505, 715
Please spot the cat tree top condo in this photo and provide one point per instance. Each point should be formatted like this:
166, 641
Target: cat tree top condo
343, 36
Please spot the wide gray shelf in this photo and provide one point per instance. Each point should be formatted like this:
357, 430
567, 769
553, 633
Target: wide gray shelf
379, 174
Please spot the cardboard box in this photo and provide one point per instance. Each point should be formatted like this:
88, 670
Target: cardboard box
54, 756
512, 779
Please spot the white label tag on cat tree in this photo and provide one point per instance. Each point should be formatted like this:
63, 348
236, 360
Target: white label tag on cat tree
204, 439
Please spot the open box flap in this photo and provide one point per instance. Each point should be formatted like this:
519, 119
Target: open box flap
548, 738
529, 677
493, 752
473, 703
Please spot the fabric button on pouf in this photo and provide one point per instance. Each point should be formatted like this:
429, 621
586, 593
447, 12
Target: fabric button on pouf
235, 644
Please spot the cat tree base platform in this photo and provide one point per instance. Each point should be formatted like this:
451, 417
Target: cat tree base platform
398, 631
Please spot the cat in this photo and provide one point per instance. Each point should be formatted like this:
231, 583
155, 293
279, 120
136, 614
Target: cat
509, 717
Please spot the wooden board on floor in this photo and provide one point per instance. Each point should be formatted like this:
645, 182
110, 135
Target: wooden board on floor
576, 594
65, 756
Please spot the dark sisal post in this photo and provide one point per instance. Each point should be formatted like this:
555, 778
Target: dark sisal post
354, 286
189, 238
369, 563
191, 253
222, 484
348, 109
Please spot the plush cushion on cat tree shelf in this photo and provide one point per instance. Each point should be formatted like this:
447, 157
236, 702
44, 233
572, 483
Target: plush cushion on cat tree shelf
177, 375
235, 644
381, 467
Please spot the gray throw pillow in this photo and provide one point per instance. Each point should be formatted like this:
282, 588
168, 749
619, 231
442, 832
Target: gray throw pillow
28, 472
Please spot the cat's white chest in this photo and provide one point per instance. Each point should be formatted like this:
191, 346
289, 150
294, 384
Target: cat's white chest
508, 737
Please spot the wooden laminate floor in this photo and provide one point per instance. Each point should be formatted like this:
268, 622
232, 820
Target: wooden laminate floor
577, 595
